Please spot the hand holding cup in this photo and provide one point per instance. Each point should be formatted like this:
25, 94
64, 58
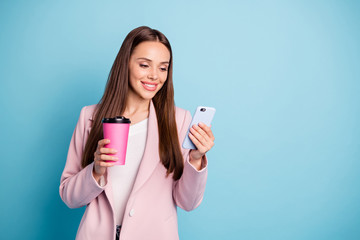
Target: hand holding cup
101, 160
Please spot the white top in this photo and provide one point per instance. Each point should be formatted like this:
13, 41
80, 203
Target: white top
123, 176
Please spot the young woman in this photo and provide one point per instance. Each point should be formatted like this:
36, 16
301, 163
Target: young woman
137, 200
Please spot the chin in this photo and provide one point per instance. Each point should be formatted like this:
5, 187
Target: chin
148, 96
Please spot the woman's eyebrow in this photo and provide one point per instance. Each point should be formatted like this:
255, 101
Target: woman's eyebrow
142, 58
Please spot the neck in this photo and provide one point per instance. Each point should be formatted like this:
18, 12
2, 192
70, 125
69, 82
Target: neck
136, 105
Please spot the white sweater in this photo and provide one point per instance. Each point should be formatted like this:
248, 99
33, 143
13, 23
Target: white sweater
123, 176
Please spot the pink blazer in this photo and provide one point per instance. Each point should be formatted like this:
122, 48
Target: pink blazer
151, 208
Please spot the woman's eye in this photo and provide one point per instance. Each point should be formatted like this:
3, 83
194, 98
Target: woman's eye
163, 69
143, 65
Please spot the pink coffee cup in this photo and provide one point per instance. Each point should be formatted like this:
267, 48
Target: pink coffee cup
117, 130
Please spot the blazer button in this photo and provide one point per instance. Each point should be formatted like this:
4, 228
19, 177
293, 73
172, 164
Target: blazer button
132, 212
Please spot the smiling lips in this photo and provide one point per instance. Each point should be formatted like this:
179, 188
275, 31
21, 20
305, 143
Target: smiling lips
149, 86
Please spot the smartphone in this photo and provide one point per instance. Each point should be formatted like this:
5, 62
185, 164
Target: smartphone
202, 114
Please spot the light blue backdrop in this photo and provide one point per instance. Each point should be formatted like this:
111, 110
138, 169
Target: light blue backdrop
283, 75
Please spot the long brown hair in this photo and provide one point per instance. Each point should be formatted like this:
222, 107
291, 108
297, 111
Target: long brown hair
113, 103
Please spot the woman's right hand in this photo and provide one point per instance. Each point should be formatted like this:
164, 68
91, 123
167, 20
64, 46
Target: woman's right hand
100, 158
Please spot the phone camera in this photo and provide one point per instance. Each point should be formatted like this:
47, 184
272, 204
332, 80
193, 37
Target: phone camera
202, 109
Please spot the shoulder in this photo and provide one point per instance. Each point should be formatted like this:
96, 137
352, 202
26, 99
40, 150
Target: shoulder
88, 111
183, 117
181, 113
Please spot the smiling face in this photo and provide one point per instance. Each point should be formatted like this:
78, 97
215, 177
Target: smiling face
148, 69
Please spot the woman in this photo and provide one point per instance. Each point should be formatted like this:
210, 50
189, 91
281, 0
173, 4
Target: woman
137, 200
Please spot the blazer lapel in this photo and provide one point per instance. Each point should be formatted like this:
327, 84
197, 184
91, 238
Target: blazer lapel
151, 157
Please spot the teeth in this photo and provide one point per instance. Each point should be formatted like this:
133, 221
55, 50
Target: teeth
149, 85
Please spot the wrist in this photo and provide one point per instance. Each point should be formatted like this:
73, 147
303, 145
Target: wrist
196, 162
96, 176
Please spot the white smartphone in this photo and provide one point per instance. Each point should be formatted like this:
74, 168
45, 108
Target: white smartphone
202, 114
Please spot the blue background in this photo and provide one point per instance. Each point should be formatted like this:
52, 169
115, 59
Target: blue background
283, 75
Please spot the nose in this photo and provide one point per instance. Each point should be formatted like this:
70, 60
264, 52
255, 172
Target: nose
153, 75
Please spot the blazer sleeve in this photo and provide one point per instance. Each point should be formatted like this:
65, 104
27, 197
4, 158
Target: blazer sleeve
189, 190
77, 185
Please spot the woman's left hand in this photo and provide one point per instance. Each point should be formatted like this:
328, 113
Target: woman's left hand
203, 138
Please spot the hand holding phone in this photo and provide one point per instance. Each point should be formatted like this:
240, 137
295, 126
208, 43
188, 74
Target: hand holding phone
202, 114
